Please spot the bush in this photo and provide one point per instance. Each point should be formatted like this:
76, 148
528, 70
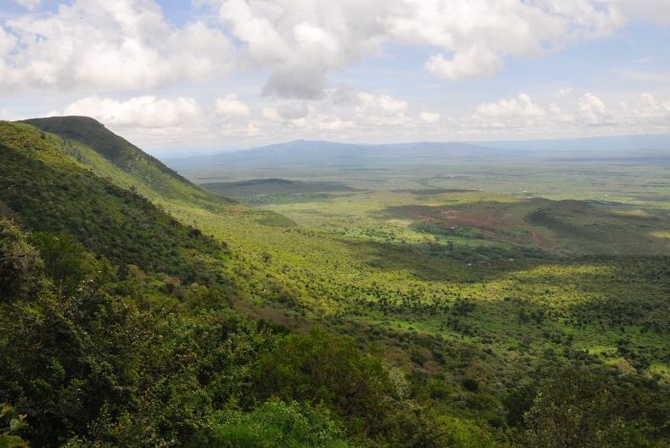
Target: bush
274, 424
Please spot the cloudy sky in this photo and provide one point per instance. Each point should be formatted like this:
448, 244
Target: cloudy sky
198, 75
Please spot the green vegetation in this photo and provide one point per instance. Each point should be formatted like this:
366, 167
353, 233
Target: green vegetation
137, 309
273, 191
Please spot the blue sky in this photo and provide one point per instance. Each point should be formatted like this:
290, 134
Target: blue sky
207, 75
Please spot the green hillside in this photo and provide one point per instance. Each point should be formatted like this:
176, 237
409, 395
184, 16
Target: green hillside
85, 138
51, 191
137, 309
113, 158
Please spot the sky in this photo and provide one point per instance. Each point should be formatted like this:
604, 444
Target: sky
185, 77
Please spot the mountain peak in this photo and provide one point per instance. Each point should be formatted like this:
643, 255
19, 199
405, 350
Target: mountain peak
65, 122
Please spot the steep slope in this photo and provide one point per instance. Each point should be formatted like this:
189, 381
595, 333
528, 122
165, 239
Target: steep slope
51, 191
144, 173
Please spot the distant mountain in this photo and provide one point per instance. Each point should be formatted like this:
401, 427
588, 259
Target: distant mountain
316, 150
311, 154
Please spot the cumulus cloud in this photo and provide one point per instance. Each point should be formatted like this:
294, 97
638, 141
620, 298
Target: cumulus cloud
578, 114
300, 41
271, 113
509, 113
476, 36
128, 62
123, 44
369, 116
472, 62
370, 105
368, 109
345, 108
430, 117
647, 113
231, 106
142, 112
129, 44
593, 110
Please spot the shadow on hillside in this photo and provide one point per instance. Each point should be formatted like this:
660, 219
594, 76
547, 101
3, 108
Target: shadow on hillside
536, 229
438, 263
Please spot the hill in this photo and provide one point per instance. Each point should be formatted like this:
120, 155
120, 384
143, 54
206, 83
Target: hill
52, 191
85, 137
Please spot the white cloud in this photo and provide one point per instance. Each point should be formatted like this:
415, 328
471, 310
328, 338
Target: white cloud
648, 99
124, 44
138, 112
368, 110
346, 113
578, 115
231, 106
593, 110
125, 63
473, 62
430, 117
271, 113
343, 108
29, 4
7, 44
129, 44
476, 36
370, 105
558, 118
300, 41
510, 113
334, 124
655, 11
647, 114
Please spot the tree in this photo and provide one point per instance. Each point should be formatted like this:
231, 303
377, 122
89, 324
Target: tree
581, 408
20, 263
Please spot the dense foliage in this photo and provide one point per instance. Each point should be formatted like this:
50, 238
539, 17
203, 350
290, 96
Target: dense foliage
122, 325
